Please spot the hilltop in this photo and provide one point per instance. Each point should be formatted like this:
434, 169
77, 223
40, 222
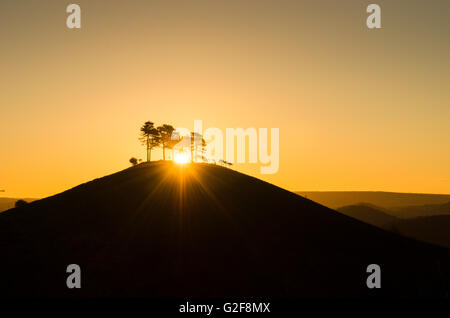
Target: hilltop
160, 229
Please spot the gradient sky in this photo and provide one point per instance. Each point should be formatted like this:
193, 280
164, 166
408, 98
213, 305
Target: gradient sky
357, 109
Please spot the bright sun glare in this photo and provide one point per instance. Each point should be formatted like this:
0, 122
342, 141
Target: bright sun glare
181, 158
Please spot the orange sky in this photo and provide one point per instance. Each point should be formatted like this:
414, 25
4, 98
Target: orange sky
357, 109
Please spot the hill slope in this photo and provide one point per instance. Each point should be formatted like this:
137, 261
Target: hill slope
164, 230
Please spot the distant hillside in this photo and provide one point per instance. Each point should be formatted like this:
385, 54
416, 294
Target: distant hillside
415, 224
337, 199
433, 229
162, 229
8, 203
421, 210
369, 214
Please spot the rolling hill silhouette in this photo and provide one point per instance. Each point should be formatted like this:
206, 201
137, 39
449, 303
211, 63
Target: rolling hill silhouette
421, 210
386, 200
428, 223
370, 214
160, 229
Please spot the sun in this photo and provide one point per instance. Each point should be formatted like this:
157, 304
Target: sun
181, 158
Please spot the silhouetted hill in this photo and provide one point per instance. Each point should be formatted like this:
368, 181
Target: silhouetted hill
337, 199
369, 214
164, 230
8, 203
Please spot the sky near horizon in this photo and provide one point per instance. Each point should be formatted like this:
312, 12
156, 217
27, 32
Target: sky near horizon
357, 109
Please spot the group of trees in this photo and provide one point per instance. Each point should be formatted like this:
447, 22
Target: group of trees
197, 145
154, 137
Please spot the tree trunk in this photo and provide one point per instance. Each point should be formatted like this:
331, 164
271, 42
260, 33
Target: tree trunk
148, 148
195, 153
164, 153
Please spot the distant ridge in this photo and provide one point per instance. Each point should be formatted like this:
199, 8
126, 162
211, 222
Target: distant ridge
422, 210
427, 223
337, 199
369, 214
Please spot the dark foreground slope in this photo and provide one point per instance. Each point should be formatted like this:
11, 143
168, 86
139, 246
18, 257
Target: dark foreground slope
163, 230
